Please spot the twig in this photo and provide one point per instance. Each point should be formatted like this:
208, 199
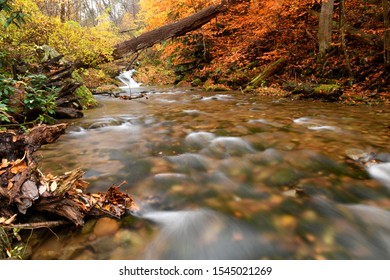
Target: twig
37, 225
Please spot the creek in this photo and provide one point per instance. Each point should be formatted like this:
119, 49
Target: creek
229, 176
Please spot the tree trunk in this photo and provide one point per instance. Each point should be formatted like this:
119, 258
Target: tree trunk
165, 32
325, 26
62, 11
356, 34
343, 41
386, 16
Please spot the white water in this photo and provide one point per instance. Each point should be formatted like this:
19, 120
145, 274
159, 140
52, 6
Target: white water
203, 234
126, 78
381, 172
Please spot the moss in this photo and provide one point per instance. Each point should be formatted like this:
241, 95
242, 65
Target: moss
85, 96
327, 89
196, 82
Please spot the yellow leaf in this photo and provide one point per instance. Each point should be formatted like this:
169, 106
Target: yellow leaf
4, 163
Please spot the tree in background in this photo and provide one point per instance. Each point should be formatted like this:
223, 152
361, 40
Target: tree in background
325, 26
386, 16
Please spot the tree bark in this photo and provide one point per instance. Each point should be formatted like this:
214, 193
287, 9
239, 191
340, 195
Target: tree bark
343, 40
386, 16
325, 26
175, 29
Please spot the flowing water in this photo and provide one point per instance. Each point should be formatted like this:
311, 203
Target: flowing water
229, 176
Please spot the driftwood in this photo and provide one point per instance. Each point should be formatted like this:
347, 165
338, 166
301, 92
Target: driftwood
24, 190
171, 30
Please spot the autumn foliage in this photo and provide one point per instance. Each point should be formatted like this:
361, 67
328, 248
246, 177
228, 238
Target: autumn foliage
237, 45
231, 50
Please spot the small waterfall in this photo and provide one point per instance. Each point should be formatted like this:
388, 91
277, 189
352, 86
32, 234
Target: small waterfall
126, 78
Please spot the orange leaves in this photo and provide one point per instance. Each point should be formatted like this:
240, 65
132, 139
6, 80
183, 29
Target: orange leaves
156, 13
14, 167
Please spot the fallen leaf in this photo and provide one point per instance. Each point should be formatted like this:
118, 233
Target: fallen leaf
19, 167
53, 186
10, 220
4, 163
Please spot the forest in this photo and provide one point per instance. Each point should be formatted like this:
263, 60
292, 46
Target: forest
56, 56
337, 46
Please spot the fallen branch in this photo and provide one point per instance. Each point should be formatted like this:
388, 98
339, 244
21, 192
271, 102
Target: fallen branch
270, 70
37, 225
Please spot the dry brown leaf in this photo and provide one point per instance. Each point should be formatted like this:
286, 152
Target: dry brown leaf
10, 220
18, 167
4, 163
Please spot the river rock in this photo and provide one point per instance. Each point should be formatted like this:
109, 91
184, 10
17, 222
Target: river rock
189, 161
199, 139
108, 89
230, 146
105, 227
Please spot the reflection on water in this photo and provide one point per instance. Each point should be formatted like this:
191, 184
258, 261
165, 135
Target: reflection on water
230, 176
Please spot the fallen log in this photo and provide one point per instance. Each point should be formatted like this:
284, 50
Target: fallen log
171, 30
324, 92
270, 70
25, 191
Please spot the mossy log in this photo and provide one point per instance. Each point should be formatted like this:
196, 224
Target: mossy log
269, 71
325, 92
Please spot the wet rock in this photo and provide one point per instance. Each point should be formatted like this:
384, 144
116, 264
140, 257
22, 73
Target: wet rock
283, 177
230, 146
199, 139
268, 157
309, 162
105, 227
106, 122
189, 161
360, 156
108, 89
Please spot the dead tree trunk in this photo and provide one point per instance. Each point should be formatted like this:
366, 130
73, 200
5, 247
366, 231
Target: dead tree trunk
175, 29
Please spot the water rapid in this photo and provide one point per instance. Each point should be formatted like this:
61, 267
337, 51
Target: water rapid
230, 176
